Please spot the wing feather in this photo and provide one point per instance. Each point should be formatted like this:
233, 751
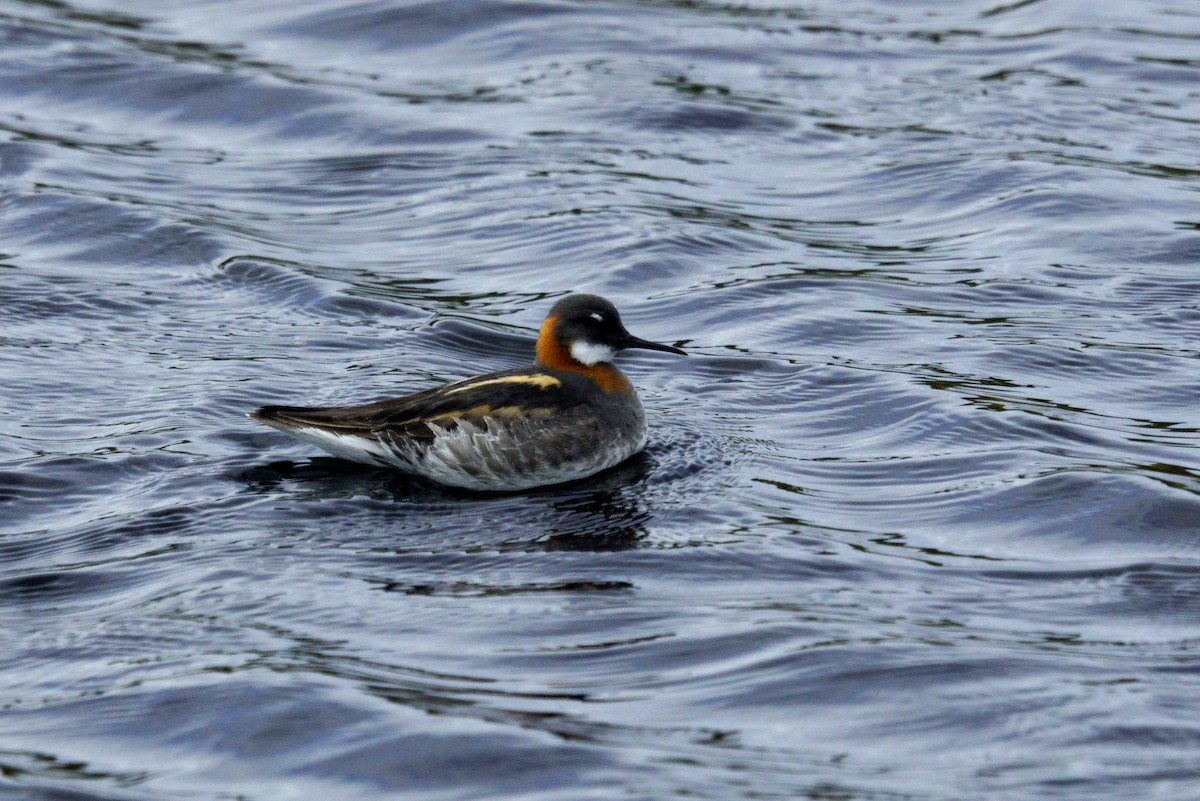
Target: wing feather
505, 395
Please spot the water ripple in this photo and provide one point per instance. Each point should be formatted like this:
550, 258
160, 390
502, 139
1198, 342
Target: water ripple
916, 518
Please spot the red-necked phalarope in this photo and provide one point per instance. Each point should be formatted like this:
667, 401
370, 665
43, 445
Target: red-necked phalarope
569, 415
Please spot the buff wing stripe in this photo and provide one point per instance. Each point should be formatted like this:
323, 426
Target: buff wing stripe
540, 380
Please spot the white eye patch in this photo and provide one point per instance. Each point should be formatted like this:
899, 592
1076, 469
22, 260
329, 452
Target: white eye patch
597, 316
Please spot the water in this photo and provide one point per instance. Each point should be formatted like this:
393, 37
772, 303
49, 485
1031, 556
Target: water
920, 515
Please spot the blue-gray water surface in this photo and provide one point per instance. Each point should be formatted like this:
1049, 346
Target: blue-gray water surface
920, 513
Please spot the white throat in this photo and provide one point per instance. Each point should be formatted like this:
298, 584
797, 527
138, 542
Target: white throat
590, 353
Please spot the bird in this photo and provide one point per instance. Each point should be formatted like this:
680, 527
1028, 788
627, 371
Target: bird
569, 415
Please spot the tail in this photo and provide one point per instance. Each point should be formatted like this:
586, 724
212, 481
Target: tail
286, 417
332, 418
317, 427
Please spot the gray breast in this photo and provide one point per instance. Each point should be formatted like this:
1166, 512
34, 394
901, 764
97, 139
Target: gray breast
518, 453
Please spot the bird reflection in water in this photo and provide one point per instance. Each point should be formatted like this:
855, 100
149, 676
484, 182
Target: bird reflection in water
607, 512
609, 515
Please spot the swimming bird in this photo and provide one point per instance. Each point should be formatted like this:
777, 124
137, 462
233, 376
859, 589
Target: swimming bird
567, 416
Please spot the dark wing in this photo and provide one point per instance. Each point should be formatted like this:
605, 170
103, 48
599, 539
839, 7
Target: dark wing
528, 392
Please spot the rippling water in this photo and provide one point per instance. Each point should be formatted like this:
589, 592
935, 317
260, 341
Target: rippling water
919, 518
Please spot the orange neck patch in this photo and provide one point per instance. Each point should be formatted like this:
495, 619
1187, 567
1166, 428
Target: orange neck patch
552, 353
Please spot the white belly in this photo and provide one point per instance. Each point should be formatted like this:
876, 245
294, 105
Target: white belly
493, 456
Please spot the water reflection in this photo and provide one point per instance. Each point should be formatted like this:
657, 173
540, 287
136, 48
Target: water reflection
607, 512
931, 480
